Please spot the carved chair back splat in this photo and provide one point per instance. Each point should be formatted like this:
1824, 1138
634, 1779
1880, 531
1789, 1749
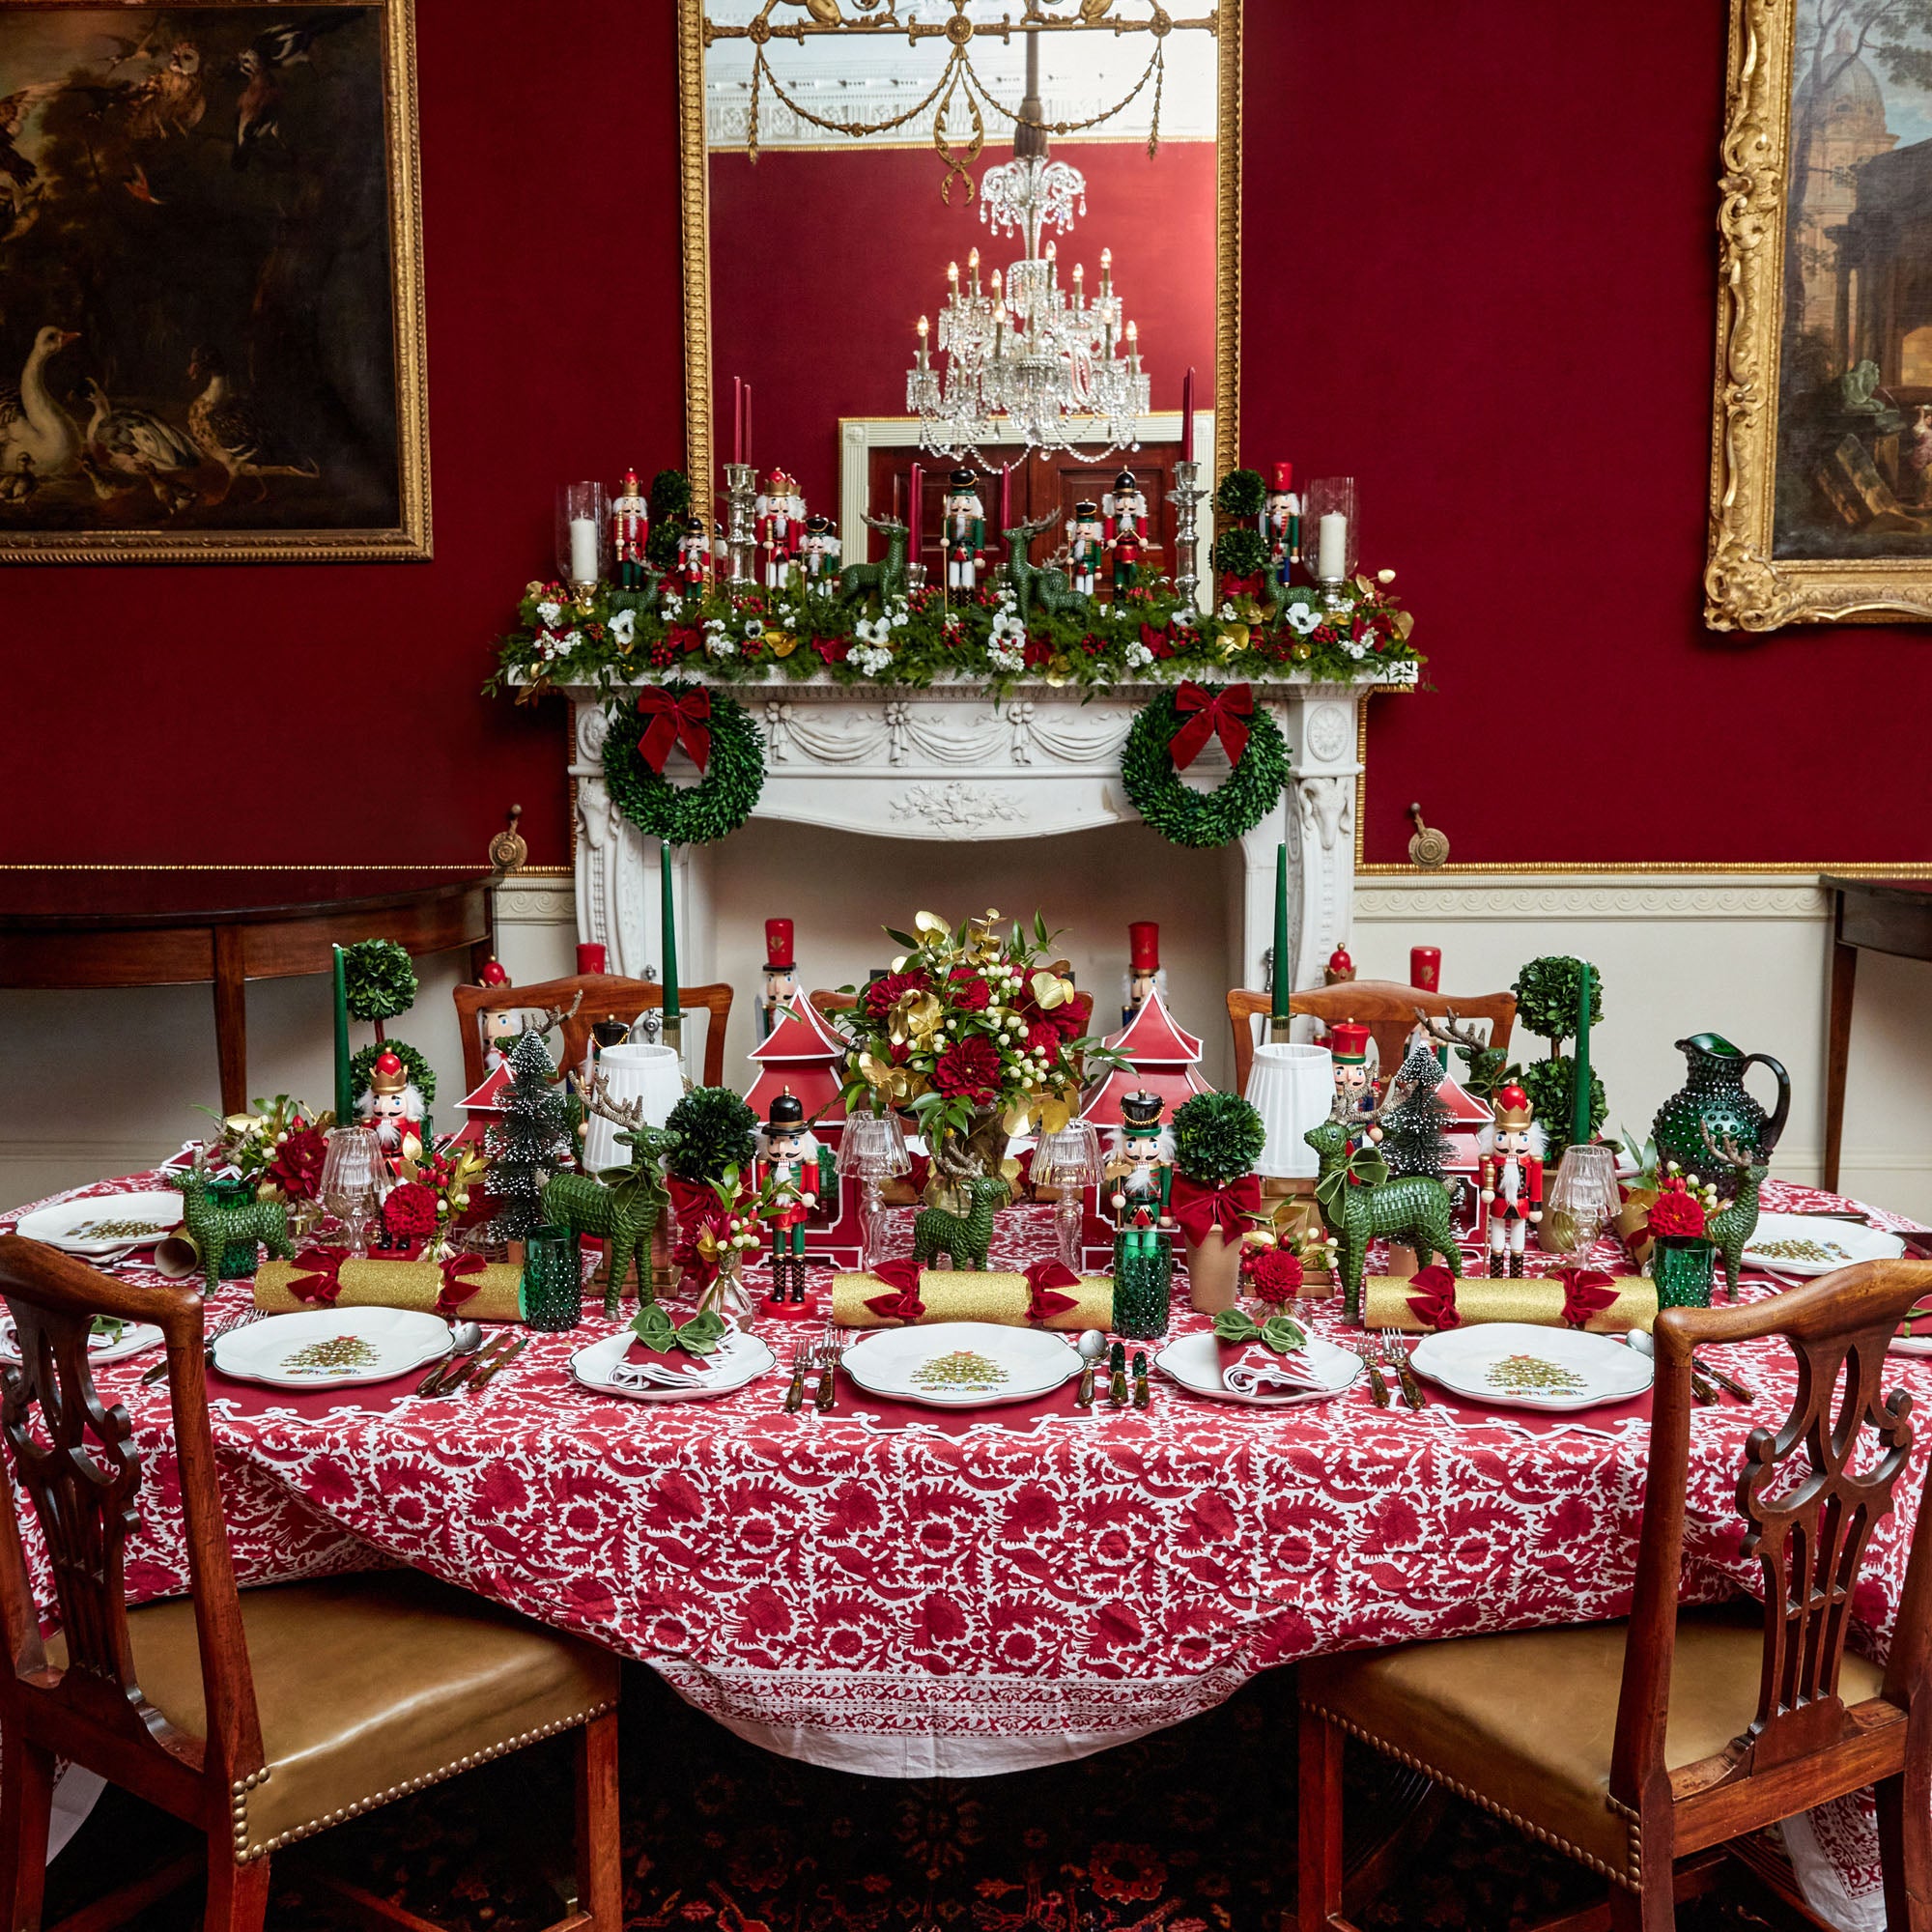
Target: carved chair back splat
605, 996
1386, 1009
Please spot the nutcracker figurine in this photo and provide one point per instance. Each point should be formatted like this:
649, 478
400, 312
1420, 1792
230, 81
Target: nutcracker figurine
1124, 507
1139, 1174
1511, 1181
820, 551
630, 532
393, 1105
1125, 549
1281, 524
1349, 1043
779, 527
1144, 972
963, 524
693, 556
789, 1178
1085, 540
781, 973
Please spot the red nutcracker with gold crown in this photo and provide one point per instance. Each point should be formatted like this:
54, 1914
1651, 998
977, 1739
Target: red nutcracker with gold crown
789, 1184
393, 1105
1511, 1179
630, 532
779, 525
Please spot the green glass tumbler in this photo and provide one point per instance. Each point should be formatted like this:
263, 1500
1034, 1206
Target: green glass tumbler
551, 1294
238, 1257
1683, 1268
1143, 1286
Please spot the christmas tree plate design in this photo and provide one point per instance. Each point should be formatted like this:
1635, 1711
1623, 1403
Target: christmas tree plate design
103, 1224
1520, 1365
1813, 1244
960, 1364
332, 1348
739, 1358
1195, 1362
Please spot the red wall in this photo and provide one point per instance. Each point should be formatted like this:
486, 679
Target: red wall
1479, 273
822, 264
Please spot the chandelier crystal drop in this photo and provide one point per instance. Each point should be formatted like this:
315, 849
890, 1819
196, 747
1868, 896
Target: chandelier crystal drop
1047, 364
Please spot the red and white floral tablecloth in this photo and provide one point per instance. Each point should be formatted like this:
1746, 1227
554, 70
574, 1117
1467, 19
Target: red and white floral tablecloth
920, 1603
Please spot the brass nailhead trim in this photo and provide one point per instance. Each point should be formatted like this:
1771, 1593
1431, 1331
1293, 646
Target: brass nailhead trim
247, 1853
1630, 1878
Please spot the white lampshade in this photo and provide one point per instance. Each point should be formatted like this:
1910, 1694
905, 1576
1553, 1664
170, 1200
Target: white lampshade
651, 1074
1292, 1087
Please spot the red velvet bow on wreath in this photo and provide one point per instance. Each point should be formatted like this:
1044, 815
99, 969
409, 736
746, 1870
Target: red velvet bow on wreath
1223, 713
671, 722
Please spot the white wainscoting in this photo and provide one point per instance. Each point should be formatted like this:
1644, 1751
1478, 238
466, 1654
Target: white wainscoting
99, 1083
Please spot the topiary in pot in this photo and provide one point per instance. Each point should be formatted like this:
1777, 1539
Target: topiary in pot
670, 502
711, 1129
1546, 993
1238, 554
1217, 1139
1240, 492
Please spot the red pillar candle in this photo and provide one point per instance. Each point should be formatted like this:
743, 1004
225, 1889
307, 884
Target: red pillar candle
1425, 968
590, 958
1187, 415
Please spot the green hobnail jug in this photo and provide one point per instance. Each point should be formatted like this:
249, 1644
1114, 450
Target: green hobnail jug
1714, 1098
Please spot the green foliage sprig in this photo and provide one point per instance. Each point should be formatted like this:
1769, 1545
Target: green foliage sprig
1217, 1138
717, 805
711, 1130
422, 1075
379, 979
1240, 492
1178, 812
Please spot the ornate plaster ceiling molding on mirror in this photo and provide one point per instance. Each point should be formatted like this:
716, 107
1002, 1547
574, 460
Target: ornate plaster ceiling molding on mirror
830, 71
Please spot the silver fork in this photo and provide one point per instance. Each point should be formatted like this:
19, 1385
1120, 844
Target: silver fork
801, 1362
241, 1320
831, 1352
1398, 1359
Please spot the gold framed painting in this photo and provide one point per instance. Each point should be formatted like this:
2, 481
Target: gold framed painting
211, 338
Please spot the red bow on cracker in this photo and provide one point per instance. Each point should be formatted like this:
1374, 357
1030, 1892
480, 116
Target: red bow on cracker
324, 1284
903, 1303
1587, 1292
1044, 1280
1432, 1295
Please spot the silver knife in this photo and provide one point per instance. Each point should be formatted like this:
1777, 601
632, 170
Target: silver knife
497, 1364
446, 1379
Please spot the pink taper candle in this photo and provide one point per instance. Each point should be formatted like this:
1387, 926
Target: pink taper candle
1187, 415
737, 420
914, 485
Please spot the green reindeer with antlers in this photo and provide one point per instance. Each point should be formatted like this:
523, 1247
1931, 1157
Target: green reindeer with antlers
212, 1227
964, 1238
1732, 1226
1358, 1201
1044, 591
622, 1205
887, 576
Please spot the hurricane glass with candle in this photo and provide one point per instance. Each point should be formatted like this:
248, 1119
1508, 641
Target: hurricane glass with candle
1328, 535
583, 535
353, 1174
872, 1150
1070, 1163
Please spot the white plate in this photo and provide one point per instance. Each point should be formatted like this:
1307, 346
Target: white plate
61, 1226
1910, 1344
1194, 1361
1839, 1243
1462, 1359
1020, 1363
132, 1340
397, 1338
739, 1358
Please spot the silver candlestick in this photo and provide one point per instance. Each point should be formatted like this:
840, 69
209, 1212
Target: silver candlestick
1188, 496
740, 544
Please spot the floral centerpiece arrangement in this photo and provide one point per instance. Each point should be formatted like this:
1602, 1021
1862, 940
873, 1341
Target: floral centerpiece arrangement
708, 1169
976, 1035
277, 1151
1683, 1257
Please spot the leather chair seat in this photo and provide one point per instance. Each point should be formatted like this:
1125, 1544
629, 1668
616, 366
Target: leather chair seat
1523, 1722
370, 1687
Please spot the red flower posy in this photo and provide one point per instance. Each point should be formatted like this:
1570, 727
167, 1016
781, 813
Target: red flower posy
969, 1067
1676, 1211
1270, 1274
296, 1168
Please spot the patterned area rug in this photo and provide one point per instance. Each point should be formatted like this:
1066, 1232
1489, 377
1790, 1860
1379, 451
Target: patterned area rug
1189, 1831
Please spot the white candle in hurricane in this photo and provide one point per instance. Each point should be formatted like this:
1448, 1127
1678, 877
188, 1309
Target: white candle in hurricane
583, 550
1331, 560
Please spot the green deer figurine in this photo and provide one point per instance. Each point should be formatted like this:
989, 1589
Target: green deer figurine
621, 1206
211, 1226
1730, 1229
1412, 1211
965, 1237
887, 576
1042, 590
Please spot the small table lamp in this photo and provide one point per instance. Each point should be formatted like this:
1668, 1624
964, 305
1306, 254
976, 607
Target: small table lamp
872, 1150
1070, 1162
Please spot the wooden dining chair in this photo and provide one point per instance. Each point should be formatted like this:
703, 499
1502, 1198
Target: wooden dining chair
1634, 1744
606, 997
1387, 1009
261, 1718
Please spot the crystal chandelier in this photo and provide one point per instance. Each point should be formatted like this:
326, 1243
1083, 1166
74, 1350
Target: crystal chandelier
1051, 362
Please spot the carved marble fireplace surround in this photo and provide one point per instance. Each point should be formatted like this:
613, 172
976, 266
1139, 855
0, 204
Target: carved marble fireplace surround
952, 763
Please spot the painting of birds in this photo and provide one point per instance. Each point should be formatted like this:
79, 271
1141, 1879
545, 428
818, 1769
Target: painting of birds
228, 430
13, 111
288, 45
257, 114
140, 447
33, 424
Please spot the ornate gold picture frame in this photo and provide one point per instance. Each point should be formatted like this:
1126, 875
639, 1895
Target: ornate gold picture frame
1821, 480
211, 238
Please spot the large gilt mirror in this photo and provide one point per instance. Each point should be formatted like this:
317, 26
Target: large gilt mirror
1051, 187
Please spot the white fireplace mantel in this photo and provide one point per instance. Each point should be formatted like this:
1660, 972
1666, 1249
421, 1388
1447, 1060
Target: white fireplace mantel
952, 762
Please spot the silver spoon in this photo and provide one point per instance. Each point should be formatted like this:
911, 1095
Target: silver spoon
465, 1339
1092, 1349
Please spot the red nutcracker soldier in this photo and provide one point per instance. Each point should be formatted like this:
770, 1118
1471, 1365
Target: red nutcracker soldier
1125, 551
1137, 1183
1124, 508
1086, 539
789, 1180
693, 556
781, 973
1281, 524
779, 527
963, 526
1511, 1181
1349, 1043
630, 532
393, 1105
1144, 974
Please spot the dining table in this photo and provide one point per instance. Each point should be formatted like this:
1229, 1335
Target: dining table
952, 1594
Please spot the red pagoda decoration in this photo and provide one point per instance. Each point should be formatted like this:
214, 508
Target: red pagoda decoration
802, 1055
1161, 1058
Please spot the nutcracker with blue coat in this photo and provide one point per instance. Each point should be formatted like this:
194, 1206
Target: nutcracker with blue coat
963, 527
1281, 524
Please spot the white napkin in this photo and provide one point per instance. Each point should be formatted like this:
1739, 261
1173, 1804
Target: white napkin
1260, 1371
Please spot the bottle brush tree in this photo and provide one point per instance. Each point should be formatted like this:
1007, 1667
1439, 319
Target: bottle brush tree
530, 1142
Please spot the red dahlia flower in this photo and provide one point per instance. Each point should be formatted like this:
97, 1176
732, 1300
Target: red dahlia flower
296, 1168
969, 1067
878, 998
970, 993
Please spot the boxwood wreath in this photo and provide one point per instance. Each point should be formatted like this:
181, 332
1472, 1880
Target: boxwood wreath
712, 808
422, 1075
1178, 812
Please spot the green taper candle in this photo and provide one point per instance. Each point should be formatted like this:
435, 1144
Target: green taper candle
671, 1009
1579, 1111
1279, 1010
345, 1100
